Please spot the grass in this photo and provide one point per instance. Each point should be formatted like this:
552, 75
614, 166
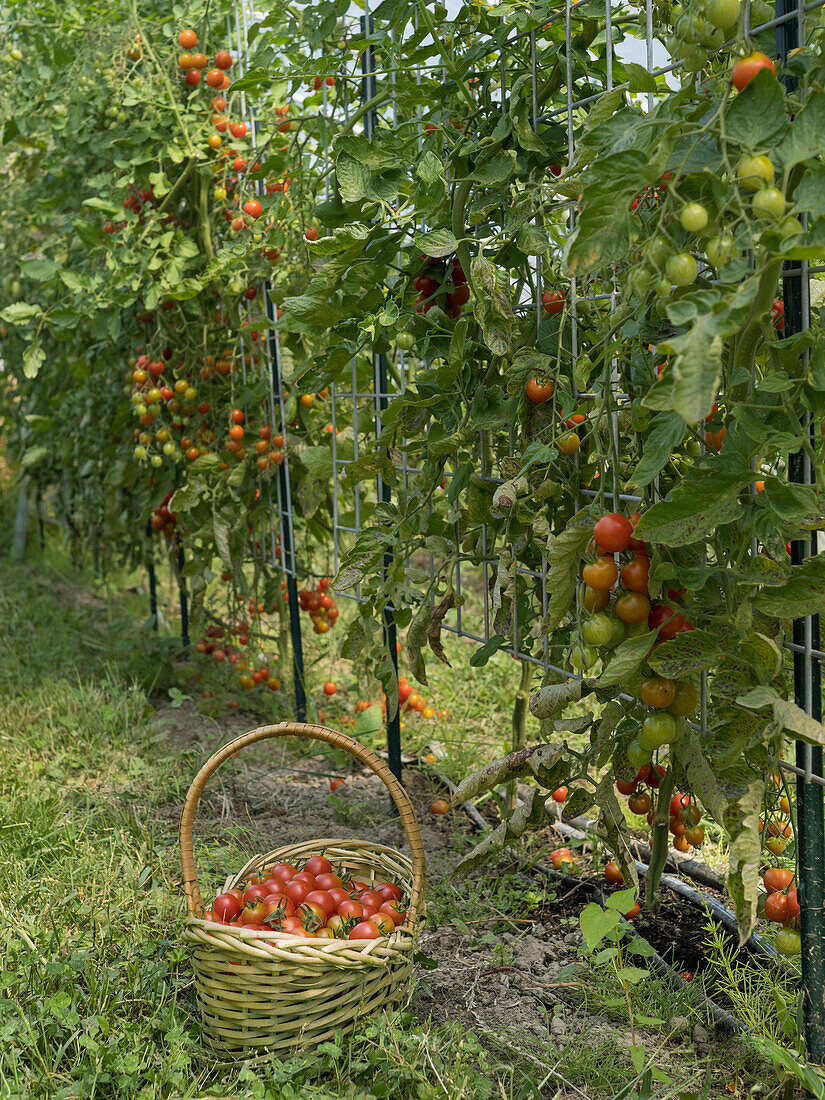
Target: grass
96, 997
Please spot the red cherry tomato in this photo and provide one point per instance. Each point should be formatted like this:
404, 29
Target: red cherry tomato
613, 532
351, 908
324, 899
389, 891
746, 69
365, 930
318, 865
226, 907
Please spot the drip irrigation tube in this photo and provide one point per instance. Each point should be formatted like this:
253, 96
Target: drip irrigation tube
695, 898
721, 1017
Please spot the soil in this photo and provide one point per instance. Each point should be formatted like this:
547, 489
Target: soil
513, 982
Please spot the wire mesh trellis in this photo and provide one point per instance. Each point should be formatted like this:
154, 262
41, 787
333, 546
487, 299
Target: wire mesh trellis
370, 386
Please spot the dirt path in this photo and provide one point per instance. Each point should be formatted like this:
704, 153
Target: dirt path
507, 979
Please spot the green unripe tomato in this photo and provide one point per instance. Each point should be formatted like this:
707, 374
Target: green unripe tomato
657, 730
722, 13
140, 453
789, 227
693, 217
639, 281
682, 269
711, 37
754, 172
598, 630
583, 657
619, 633
15, 54
141, 409
157, 460
663, 288
220, 194
658, 250
638, 755
405, 341
788, 942
769, 203
693, 448
719, 250
169, 448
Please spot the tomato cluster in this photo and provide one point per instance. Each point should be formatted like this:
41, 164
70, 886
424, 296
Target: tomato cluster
782, 907
164, 520
315, 902
218, 645
443, 283
320, 606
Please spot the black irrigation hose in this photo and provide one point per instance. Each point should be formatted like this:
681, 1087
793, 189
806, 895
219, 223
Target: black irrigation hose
721, 1017
698, 900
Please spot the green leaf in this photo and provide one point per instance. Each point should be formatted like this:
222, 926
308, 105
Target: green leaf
342, 238
667, 430
532, 240
809, 194
40, 270
20, 313
251, 81
484, 652
436, 243
602, 233
786, 714
430, 168
563, 563
802, 594
33, 456
552, 699
627, 659
690, 651
688, 751
803, 135
353, 178
639, 78
696, 368
756, 118
621, 900
596, 923
632, 974
742, 822
493, 307
694, 510
33, 359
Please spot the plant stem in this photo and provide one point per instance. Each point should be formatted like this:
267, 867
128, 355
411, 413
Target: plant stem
659, 841
519, 726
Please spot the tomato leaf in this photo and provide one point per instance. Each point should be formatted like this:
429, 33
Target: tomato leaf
563, 562
756, 118
626, 659
484, 652
690, 651
667, 430
437, 243
802, 594
688, 751
742, 822
695, 509
803, 137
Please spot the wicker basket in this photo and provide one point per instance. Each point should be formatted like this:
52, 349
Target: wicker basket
263, 990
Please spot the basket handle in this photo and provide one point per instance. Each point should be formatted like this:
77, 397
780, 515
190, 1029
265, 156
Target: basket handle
317, 733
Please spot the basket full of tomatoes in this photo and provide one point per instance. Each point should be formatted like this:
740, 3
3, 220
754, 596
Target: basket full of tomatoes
309, 938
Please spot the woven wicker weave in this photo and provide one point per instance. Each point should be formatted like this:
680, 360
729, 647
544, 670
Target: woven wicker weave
270, 991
